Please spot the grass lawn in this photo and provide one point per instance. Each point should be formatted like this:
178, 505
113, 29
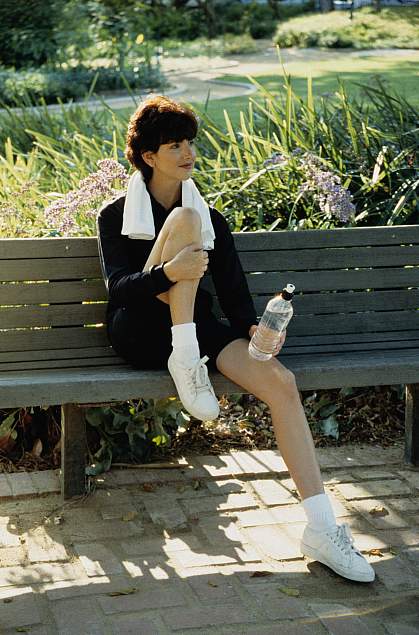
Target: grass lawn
399, 74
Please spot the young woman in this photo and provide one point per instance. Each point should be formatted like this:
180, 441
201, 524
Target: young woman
155, 244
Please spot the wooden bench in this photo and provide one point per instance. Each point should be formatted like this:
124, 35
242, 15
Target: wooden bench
356, 323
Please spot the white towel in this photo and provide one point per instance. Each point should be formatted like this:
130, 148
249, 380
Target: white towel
138, 221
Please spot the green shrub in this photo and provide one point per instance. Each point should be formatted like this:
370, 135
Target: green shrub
393, 27
73, 83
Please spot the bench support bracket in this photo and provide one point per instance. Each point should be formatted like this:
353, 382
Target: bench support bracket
412, 424
73, 448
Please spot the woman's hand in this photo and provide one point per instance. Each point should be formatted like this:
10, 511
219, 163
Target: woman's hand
280, 343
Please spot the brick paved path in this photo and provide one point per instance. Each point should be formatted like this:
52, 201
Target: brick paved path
209, 547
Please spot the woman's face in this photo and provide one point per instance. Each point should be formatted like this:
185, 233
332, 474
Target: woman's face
174, 160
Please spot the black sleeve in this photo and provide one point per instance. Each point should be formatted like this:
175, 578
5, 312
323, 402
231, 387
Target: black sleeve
125, 288
229, 278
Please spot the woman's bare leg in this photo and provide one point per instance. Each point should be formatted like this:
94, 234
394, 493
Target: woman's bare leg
181, 228
275, 384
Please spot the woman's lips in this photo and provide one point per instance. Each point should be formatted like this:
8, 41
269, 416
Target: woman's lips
187, 166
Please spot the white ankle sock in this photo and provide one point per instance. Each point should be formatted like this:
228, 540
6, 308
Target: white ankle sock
319, 512
184, 342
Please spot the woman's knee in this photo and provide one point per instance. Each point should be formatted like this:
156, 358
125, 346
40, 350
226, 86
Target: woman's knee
185, 217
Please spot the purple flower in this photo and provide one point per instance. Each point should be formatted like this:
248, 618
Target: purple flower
93, 189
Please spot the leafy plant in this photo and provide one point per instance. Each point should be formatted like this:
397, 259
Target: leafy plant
129, 431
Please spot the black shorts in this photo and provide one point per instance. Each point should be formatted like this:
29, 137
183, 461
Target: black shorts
145, 339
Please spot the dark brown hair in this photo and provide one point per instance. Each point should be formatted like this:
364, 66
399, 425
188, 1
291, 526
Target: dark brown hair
157, 120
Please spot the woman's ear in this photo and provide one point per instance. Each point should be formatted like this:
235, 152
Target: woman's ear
148, 157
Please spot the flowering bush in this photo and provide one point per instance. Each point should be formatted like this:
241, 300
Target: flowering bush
79, 206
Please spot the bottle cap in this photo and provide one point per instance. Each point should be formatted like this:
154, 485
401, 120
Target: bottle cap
287, 292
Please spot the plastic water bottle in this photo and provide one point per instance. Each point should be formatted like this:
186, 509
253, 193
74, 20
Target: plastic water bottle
274, 321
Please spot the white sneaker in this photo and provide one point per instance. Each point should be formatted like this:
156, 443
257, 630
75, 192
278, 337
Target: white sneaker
335, 549
194, 388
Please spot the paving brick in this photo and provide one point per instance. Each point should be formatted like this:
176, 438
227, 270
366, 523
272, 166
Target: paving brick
147, 546
12, 556
148, 596
217, 503
373, 539
169, 517
5, 488
404, 504
340, 457
210, 557
411, 476
330, 478
136, 625
400, 628
46, 481
236, 613
97, 559
254, 518
21, 484
370, 489
35, 573
220, 465
391, 520
78, 615
9, 533
83, 531
372, 473
272, 459
275, 605
340, 620
396, 574
249, 464
64, 589
212, 588
280, 542
42, 547
271, 492
227, 486
22, 611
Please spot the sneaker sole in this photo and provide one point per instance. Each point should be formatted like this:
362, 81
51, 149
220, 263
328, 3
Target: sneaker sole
191, 411
306, 550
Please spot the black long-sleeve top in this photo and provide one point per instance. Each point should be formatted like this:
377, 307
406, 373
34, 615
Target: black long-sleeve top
122, 261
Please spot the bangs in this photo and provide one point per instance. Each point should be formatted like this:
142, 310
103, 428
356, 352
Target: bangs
176, 127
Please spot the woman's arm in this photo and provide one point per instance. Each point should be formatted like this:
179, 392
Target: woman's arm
124, 287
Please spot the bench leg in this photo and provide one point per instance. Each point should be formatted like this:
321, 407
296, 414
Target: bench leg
73, 447
412, 424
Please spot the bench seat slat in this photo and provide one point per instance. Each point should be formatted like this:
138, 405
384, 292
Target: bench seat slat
119, 383
63, 353
94, 362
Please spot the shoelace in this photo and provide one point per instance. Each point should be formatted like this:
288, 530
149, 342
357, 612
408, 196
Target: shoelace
342, 537
198, 376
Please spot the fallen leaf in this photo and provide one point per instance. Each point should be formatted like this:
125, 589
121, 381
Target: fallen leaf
394, 551
8, 600
149, 487
289, 591
58, 520
379, 511
212, 583
196, 484
374, 552
37, 448
260, 574
123, 592
129, 516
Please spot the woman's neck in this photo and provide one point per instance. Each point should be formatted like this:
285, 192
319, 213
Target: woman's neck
165, 191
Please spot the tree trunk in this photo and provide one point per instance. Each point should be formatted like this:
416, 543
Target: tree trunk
326, 5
